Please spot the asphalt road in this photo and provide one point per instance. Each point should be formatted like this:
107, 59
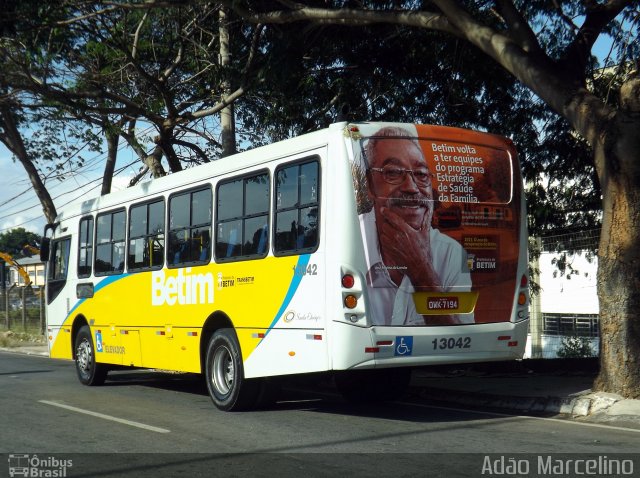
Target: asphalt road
144, 423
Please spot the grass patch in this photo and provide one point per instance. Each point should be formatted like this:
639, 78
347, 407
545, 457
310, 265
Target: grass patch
10, 339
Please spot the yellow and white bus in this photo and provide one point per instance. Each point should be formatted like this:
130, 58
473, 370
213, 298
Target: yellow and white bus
363, 249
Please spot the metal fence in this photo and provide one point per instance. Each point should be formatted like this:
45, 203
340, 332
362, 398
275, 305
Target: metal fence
563, 336
560, 333
22, 309
571, 325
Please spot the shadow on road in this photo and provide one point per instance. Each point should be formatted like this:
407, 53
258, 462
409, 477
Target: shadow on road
314, 393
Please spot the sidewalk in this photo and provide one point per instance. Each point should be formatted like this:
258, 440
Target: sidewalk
42, 350
527, 387
522, 390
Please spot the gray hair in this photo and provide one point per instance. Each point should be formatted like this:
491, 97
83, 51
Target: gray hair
387, 132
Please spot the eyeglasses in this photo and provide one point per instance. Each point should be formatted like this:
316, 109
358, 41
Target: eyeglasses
394, 175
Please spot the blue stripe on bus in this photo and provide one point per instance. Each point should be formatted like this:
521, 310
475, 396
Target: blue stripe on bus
302, 263
303, 260
102, 284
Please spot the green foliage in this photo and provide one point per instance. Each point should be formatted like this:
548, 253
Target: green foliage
103, 69
14, 240
575, 347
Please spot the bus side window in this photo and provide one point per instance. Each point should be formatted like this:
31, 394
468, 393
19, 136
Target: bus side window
85, 247
242, 217
60, 263
190, 228
58, 267
146, 236
110, 243
297, 208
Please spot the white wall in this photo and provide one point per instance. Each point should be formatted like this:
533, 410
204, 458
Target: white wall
574, 295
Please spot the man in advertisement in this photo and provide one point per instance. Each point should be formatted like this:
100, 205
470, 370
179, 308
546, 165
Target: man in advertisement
405, 253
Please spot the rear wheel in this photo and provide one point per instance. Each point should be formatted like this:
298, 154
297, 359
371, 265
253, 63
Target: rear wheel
228, 388
373, 385
89, 371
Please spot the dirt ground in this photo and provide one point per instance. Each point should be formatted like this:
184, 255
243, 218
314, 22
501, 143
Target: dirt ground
9, 338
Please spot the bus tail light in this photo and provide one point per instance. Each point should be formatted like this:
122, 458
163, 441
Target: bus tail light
351, 291
348, 281
522, 302
524, 282
522, 298
524, 290
350, 301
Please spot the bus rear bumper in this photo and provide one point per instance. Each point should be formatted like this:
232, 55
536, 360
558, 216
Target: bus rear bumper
385, 347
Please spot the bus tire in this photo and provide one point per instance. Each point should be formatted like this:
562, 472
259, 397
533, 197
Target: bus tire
228, 388
89, 371
372, 386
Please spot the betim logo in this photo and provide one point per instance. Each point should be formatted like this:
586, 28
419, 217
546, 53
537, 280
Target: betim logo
183, 288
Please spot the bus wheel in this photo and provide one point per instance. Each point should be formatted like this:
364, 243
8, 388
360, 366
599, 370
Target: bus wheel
369, 386
228, 388
89, 371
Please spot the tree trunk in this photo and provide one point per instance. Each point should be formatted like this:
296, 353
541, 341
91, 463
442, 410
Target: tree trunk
227, 115
619, 260
13, 141
152, 161
110, 165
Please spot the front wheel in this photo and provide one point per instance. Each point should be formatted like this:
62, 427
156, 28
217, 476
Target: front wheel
228, 388
89, 371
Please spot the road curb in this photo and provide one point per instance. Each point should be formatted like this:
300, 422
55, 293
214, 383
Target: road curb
26, 350
577, 405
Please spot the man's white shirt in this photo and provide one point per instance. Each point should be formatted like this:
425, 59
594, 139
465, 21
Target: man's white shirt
393, 305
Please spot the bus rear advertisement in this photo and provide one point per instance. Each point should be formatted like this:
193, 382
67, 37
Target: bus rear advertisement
363, 249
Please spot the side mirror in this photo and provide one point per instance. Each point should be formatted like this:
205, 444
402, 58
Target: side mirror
45, 243
44, 249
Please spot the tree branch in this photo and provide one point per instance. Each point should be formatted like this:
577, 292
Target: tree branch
577, 54
519, 28
346, 16
194, 147
136, 36
214, 109
12, 139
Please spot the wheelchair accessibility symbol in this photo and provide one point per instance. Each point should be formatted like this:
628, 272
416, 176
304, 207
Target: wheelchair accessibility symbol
99, 341
403, 346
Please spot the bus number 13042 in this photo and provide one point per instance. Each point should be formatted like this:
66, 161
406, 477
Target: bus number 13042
446, 343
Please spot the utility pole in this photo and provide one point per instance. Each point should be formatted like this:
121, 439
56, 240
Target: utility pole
535, 319
4, 296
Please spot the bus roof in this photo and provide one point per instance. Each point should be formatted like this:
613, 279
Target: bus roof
217, 167
264, 154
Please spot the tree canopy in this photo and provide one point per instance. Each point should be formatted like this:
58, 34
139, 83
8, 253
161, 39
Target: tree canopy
149, 74
19, 242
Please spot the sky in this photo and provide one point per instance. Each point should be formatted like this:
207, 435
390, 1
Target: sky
25, 210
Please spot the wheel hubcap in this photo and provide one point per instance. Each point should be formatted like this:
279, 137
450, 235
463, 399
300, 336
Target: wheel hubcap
83, 355
223, 373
